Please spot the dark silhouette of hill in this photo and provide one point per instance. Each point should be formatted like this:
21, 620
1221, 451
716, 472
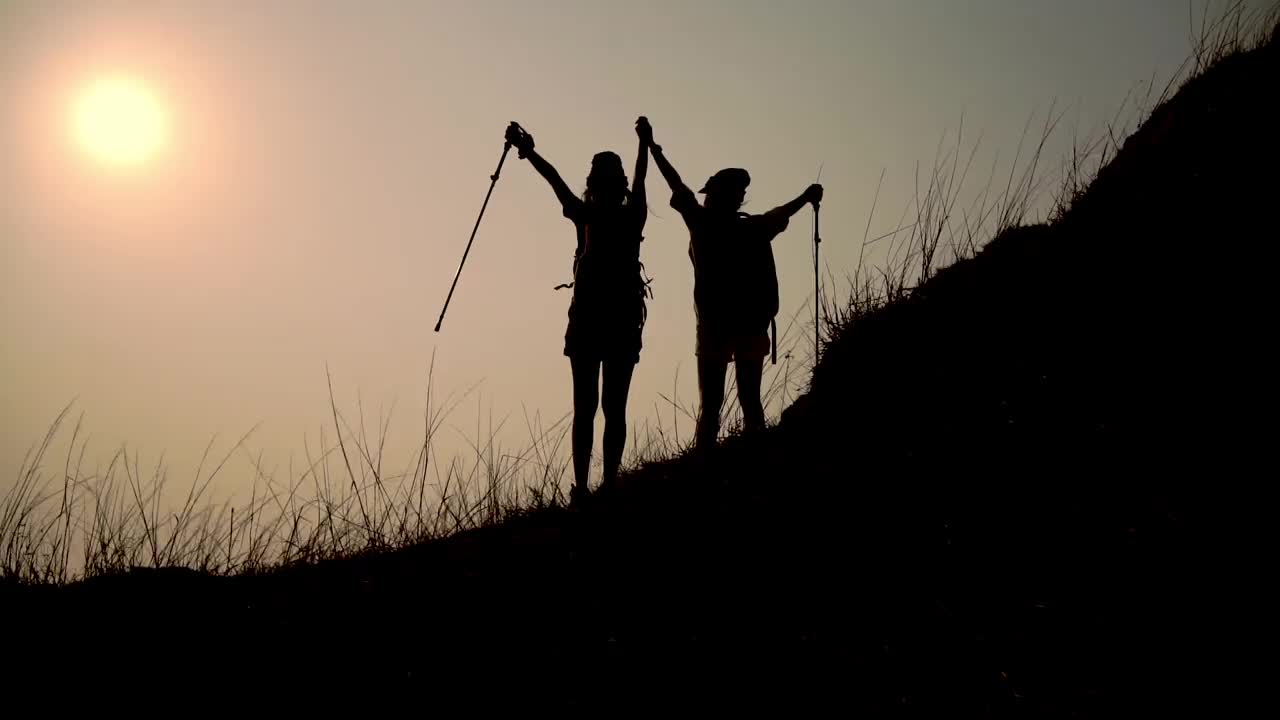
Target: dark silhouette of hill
1023, 491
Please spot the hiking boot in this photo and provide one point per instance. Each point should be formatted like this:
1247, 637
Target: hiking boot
578, 497
610, 488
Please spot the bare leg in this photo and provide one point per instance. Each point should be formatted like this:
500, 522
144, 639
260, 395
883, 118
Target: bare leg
711, 391
586, 398
617, 385
748, 372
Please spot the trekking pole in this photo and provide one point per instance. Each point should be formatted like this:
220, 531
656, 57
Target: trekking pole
493, 180
817, 301
817, 290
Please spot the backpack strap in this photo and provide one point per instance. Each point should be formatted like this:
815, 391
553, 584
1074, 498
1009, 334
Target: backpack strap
577, 255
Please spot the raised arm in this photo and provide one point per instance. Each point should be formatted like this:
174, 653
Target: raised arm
812, 194
664, 166
645, 133
523, 142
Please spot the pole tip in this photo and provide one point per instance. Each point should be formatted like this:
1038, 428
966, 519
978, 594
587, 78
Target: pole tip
438, 325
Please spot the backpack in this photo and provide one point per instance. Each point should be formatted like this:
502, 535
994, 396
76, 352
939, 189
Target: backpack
757, 265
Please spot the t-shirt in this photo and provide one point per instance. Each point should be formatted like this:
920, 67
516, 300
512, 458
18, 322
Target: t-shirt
734, 280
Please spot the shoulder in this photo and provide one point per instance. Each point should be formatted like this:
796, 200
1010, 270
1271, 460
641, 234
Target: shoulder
685, 203
768, 224
683, 197
574, 209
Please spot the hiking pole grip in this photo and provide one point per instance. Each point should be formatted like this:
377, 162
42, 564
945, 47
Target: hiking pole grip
493, 180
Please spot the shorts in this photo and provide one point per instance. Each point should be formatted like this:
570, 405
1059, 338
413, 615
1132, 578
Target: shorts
596, 335
722, 345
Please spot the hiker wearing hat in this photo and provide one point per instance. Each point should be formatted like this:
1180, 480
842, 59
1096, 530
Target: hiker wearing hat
735, 286
607, 312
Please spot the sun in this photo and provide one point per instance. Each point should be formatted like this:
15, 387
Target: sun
120, 122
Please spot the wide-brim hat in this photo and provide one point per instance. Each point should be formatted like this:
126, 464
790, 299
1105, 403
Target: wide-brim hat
727, 179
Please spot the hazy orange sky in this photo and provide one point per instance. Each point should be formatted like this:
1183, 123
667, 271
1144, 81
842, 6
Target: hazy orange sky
327, 161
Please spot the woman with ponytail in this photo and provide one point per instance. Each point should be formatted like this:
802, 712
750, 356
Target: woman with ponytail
607, 312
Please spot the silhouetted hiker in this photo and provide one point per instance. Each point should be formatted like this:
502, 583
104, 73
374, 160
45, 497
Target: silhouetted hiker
607, 313
735, 291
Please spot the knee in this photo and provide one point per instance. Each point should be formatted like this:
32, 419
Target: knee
711, 392
615, 412
585, 403
709, 415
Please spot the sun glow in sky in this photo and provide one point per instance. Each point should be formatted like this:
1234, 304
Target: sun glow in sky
120, 122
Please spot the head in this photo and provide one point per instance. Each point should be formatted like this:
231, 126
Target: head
607, 181
726, 189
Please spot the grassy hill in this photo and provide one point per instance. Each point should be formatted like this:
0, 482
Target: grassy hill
1020, 489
